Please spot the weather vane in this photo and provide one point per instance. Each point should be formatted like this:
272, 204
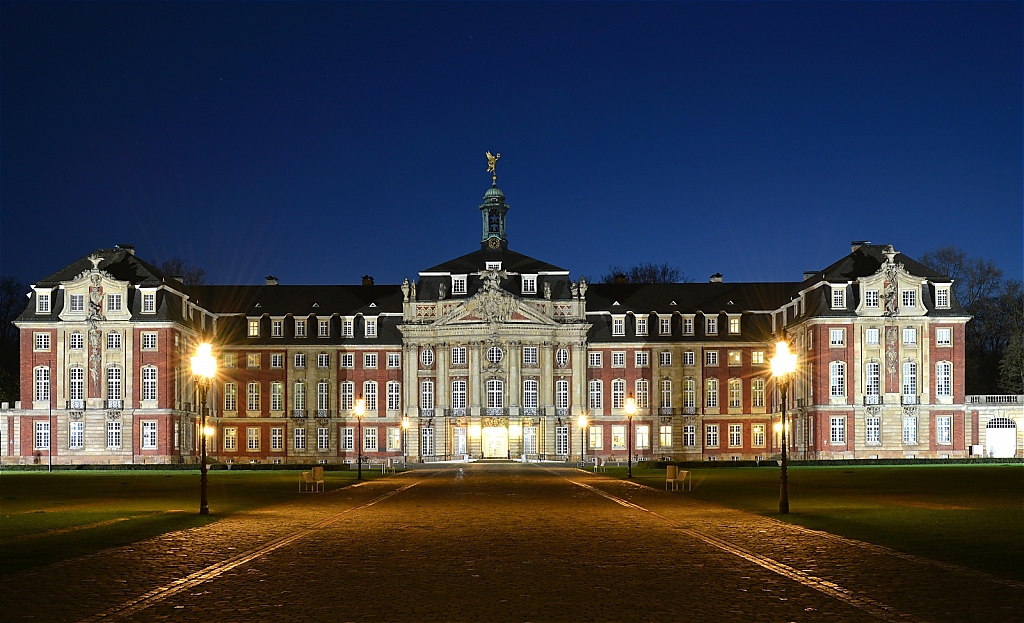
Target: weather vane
491, 162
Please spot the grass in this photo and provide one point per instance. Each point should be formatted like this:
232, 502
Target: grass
48, 517
969, 515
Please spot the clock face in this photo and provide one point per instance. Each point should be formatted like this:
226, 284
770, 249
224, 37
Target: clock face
494, 243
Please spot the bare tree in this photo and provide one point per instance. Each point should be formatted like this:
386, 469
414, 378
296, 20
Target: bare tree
1011, 368
190, 274
646, 272
974, 279
12, 303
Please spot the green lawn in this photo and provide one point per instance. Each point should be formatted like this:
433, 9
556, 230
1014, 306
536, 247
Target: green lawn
970, 515
46, 517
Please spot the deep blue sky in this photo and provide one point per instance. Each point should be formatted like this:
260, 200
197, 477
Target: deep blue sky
322, 141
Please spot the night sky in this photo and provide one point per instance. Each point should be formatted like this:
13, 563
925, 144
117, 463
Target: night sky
319, 142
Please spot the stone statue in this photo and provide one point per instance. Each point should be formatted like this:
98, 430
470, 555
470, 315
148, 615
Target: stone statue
547, 290
412, 290
405, 289
492, 161
583, 287
442, 291
575, 289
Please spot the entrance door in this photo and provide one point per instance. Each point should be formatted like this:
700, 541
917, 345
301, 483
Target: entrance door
495, 442
1001, 435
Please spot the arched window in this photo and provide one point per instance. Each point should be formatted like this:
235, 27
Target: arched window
495, 394
459, 394
394, 392
837, 378
666, 394
757, 392
711, 393
643, 394
562, 394
370, 395
149, 383
76, 383
944, 379
618, 393
872, 382
689, 393
323, 395
114, 383
910, 382
530, 394
735, 393
42, 384
596, 395
346, 396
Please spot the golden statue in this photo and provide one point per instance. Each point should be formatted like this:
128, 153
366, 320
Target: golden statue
491, 162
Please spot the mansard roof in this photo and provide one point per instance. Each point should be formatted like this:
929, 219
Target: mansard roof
687, 298
300, 300
510, 261
121, 263
866, 260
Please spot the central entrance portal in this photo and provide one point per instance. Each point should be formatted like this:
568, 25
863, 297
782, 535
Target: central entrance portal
495, 442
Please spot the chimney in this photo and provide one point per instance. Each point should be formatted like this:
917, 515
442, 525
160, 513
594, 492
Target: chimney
716, 278
809, 273
367, 280
127, 248
271, 280
620, 278
856, 244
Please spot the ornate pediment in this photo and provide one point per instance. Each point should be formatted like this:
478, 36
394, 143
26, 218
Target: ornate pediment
493, 306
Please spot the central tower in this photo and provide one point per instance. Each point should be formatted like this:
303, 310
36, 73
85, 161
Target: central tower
493, 211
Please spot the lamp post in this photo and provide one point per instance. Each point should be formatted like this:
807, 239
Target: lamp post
360, 410
630, 412
783, 365
405, 440
583, 439
204, 367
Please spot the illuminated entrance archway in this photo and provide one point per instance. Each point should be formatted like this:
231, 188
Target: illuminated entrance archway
495, 442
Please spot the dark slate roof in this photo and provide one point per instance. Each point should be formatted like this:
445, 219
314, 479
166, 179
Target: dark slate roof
120, 263
687, 298
305, 300
510, 261
866, 261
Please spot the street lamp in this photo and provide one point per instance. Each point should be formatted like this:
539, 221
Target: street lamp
360, 410
405, 440
783, 365
583, 436
630, 412
204, 367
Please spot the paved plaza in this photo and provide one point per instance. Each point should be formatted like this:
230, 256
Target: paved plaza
504, 542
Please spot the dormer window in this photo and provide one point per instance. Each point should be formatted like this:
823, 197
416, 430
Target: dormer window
529, 284
641, 325
459, 284
148, 302
370, 327
76, 303
942, 297
711, 325
254, 327
493, 265
619, 325
839, 297
908, 298
300, 327
734, 325
42, 302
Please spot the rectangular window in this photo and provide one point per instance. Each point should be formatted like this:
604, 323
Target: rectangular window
910, 336
252, 360
711, 393
757, 357
734, 325
459, 356
254, 327
323, 438
871, 337
230, 397
113, 434
348, 360
369, 360
619, 359
666, 393
300, 327
757, 392
944, 336
944, 379
642, 436
149, 385
641, 325
394, 392
687, 326
837, 429
299, 398
276, 360
665, 326
594, 359
370, 395
735, 435
113, 302
299, 438
427, 442
148, 302
394, 439
735, 393
459, 284
711, 325
641, 359
908, 298
530, 397
665, 436
348, 438
872, 382
114, 340
942, 297
711, 435
323, 398
348, 327
42, 341
76, 435
839, 298
394, 360
529, 284
277, 438
618, 393
872, 429
370, 439
910, 382
276, 396
76, 341
323, 327
458, 394
910, 430
562, 394
837, 378
665, 358
871, 298
689, 435
231, 438
688, 358
42, 303
370, 327
618, 325
735, 357
41, 440
252, 438
530, 357
114, 383
76, 303
300, 360
276, 328
618, 437
711, 358
757, 435
837, 337
943, 430
149, 341
323, 360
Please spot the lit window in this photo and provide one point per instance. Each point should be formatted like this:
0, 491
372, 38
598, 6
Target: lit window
757, 357
734, 325
735, 357
252, 360
254, 327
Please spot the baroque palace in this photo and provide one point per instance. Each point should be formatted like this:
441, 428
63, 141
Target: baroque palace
495, 354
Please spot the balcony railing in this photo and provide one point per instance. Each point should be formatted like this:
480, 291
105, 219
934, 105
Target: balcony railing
532, 411
495, 411
114, 403
76, 404
561, 412
298, 413
910, 399
689, 410
666, 411
426, 413
322, 413
456, 412
872, 399
995, 399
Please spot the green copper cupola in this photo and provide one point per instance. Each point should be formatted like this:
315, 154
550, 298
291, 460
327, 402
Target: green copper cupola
493, 211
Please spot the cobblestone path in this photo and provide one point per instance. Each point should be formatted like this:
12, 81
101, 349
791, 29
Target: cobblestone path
504, 542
